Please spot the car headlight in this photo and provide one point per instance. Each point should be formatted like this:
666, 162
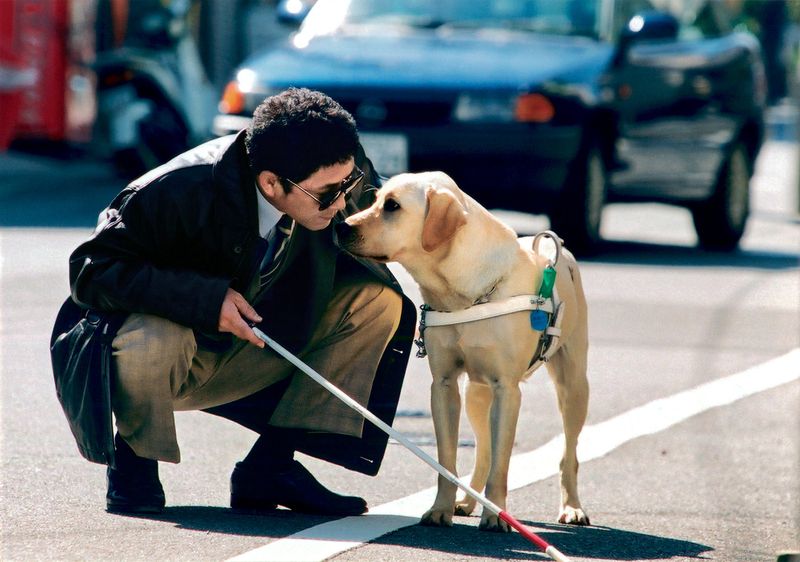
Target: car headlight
235, 96
232, 99
243, 94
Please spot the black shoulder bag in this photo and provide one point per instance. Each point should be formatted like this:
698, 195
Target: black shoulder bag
80, 350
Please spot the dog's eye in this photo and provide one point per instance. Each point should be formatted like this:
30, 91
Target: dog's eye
390, 205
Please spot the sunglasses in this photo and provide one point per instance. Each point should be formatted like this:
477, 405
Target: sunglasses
347, 185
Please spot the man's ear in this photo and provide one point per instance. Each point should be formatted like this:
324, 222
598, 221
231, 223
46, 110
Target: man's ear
269, 184
444, 216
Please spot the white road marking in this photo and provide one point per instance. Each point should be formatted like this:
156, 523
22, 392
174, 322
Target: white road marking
329, 539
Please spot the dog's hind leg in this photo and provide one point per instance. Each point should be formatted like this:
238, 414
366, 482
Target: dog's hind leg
567, 369
445, 410
479, 402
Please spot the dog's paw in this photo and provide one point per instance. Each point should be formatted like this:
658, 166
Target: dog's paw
573, 516
437, 518
492, 523
465, 506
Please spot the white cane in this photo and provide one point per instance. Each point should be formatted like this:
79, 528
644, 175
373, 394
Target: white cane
550, 550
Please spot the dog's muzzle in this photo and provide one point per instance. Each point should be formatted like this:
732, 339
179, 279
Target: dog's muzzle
345, 234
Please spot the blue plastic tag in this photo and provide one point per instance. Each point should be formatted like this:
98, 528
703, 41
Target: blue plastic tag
539, 320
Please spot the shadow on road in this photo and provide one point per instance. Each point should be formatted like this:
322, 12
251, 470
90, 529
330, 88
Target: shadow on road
53, 193
641, 253
617, 544
273, 524
50, 192
579, 542
459, 541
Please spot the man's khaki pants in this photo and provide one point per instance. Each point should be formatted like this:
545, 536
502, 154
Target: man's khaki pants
161, 369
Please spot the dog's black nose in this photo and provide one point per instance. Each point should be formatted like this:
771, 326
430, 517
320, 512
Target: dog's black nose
343, 231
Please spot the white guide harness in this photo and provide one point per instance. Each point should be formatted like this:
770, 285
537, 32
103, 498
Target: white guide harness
550, 305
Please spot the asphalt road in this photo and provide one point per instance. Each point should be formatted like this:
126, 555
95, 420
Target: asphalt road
721, 481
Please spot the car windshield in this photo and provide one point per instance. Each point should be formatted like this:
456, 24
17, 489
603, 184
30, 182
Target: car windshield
562, 17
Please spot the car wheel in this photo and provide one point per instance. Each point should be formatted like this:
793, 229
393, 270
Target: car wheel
160, 135
720, 220
579, 211
163, 134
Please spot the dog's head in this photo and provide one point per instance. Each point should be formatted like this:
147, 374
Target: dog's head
412, 214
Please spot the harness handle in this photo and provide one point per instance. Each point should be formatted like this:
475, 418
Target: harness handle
557, 242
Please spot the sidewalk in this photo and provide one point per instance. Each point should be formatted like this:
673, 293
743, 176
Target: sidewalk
782, 121
28, 180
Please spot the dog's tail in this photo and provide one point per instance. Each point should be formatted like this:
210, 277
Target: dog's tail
575, 274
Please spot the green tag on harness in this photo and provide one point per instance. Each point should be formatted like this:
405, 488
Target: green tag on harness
548, 282
539, 318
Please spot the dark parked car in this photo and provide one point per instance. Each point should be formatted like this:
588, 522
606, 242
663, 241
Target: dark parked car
553, 106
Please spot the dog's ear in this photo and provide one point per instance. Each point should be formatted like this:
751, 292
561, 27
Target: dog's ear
445, 215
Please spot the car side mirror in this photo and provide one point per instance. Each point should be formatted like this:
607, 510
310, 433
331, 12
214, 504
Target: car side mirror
292, 12
646, 26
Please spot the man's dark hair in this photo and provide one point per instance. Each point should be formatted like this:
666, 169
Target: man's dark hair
295, 133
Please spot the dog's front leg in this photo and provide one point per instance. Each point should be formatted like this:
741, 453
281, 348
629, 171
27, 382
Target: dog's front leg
503, 419
479, 404
446, 410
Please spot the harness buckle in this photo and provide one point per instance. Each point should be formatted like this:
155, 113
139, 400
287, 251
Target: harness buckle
420, 342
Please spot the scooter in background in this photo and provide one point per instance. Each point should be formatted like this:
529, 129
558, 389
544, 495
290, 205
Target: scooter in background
154, 99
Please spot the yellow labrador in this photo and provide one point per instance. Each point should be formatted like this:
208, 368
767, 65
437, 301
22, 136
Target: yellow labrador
460, 255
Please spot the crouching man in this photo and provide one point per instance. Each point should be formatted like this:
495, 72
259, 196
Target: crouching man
239, 231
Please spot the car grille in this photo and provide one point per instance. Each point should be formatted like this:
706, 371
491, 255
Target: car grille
375, 113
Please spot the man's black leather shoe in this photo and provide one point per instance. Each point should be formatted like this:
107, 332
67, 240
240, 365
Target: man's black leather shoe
133, 486
293, 487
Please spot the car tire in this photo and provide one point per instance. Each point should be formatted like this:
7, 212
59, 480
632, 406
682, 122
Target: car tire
579, 211
721, 219
161, 135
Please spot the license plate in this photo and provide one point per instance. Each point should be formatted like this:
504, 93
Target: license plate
387, 151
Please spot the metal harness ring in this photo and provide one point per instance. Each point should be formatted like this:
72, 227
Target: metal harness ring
557, 242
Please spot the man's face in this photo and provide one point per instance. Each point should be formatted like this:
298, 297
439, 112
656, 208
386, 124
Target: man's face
304, 207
